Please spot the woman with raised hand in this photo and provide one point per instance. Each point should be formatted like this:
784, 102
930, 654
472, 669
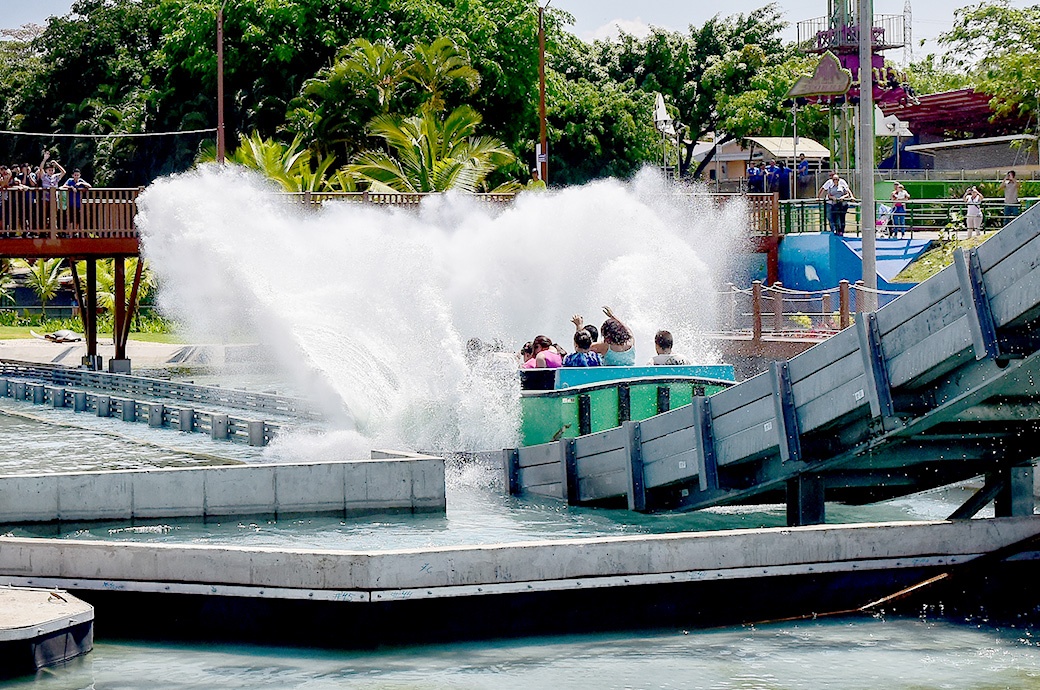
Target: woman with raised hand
618, 347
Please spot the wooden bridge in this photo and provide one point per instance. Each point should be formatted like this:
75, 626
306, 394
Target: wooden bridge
940, 385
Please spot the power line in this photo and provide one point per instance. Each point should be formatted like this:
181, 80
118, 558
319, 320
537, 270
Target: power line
108, 136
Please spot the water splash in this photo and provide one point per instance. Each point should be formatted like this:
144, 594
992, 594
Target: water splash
372, 307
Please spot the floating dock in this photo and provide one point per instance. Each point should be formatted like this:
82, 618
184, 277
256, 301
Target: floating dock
41, 627
359, 599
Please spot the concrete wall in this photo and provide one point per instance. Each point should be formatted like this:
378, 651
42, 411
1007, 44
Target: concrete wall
414, 483
501, 568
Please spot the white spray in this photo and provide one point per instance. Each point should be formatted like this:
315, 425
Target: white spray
372, 307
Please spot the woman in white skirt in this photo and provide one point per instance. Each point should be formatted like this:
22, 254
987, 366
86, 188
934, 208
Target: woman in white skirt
973, 198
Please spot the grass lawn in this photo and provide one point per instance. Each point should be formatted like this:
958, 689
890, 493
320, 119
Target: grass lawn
17, 332
936, 259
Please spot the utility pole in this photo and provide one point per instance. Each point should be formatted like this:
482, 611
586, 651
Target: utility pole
865, 145
543, 148
220, 84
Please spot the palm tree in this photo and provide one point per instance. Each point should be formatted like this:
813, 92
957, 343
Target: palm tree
437, 66
44, 278
294, 167
430, 154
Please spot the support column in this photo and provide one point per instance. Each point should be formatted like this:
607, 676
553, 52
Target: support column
119, 364
1015, 496
805, 501
92, 360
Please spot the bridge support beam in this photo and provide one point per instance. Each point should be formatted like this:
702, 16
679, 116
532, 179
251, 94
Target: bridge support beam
1015, 497
805, 501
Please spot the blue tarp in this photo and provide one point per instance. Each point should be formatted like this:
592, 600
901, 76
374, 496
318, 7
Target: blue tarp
820, 260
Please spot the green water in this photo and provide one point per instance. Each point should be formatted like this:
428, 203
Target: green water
848, 653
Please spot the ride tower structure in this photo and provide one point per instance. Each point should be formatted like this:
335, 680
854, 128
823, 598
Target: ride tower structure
838, 33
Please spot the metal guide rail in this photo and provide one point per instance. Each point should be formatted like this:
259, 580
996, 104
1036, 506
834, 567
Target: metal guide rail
125, 384
219, 426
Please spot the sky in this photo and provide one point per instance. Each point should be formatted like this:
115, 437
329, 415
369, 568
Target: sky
598, 18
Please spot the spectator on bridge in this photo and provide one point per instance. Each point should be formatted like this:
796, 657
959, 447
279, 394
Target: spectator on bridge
76, 185
1010, 185
665, 356
802, 170
756, 178
783, 176
899, 198
973, 198
836, 194
49, 175
772, 177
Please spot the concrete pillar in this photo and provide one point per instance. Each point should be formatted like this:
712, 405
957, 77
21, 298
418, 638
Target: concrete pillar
5, 390
129, 408
18, 390
805, 501
79, 401
186, 420
257, 437
218, 427
57, 396
104, 406
38, 393
118, 366
155, 415
1015, 498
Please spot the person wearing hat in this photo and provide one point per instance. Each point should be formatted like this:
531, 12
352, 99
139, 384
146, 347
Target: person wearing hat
899, 198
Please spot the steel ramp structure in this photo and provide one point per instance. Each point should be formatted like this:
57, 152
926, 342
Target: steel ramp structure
939, 386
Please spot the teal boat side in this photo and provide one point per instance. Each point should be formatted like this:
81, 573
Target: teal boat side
569, 377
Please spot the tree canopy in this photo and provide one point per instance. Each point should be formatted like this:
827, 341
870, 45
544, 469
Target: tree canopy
313, 75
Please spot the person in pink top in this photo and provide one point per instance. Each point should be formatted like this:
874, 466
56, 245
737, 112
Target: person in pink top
545, 355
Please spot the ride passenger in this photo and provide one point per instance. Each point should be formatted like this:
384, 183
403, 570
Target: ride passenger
545, 354
663, 344
618, 348
582, 357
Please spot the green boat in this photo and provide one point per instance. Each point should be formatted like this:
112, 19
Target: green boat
575, 401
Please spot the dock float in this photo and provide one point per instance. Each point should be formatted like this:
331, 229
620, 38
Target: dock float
41, 627
354, 599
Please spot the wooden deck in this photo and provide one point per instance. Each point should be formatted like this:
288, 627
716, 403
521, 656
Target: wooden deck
939, 386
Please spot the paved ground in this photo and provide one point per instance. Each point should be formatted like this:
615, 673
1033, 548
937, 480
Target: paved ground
141, 354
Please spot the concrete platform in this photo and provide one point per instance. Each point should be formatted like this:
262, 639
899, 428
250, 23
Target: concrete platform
42, 627
143, 355
342, 598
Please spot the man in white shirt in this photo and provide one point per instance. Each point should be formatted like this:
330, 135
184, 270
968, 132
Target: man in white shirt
663, 345
836, 194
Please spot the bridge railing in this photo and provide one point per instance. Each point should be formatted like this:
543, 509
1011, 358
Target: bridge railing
944, 216
94, 213
773, 310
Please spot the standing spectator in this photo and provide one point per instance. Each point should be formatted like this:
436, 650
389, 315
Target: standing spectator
756, 181
783, 174
973, 198
837, 195
49, 176
1010, 185
899, 198
772, 177
802, 169
77, 185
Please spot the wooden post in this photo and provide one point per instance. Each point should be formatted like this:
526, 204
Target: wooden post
859, 296
778, 307
732, 306
756, 310
843, 304
826, 309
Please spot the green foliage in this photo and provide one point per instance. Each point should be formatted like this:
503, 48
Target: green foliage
932, 74
44, 277
431, 153
1000, 46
